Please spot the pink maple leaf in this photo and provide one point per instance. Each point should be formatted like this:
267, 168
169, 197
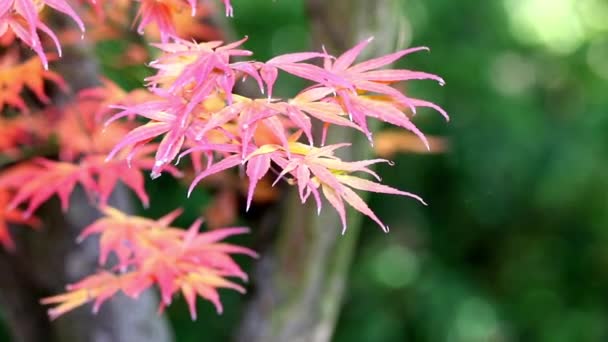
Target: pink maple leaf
292, 63
21, 16
318, 170
365, 79
169, 117
12, 216
161, 14
199, 68
37, 182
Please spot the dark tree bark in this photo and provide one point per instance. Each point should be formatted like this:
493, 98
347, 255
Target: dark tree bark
300, 279
47, 260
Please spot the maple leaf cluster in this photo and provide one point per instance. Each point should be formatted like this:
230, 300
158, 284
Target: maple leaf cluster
190, 108
152, 253
197, 113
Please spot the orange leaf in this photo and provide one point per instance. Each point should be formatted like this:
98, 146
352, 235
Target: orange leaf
389, 143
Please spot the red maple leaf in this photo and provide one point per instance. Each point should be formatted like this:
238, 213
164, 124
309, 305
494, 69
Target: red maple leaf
11, 216
17, 76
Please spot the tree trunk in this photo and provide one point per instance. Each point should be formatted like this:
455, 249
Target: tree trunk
300, 279
47, 260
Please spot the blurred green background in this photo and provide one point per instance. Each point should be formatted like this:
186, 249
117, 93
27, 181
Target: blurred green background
514, 243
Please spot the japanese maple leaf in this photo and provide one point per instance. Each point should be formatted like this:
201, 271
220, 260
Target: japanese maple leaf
79, 133
165, 15
315, 169
15, 77
11, 216
170, 118
98, 287
364, 78
248, 115
36, 184
156, 254
108, 174
189, 27
252, 116
294, 63
118, 228
109, 93
22, 17
161, 13
177, 124
189, 76
197, 69
157, 19
309, 104
44, 178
